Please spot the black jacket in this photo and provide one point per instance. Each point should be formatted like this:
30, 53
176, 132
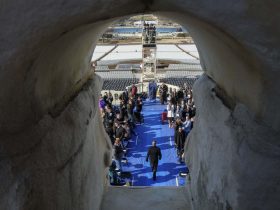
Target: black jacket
120, 131
163, 89
117, 151
109, 119
139, 105
180, 138
154, 154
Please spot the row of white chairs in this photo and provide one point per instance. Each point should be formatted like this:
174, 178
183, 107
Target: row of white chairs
182, 73
128, 66
101, 68
189, 81
129, 74
184, 67
116, 74
118, 84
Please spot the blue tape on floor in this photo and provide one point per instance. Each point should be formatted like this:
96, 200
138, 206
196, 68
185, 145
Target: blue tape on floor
169, 167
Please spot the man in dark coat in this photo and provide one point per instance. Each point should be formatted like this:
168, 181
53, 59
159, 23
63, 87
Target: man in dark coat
139, 105
180, 95
118, 153
108, 117
180, 138
163, 93
119, 132
154, 154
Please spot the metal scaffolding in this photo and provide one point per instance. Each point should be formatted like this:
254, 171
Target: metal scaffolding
149, 50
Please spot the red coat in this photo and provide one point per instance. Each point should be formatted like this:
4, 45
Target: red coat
163, 116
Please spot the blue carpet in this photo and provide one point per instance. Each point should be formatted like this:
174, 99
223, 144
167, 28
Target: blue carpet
169, 167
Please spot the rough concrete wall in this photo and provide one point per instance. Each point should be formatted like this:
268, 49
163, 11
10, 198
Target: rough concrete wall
56, 163
53, 152
232, 156
28, 30
226, 61
62, 68
249, 30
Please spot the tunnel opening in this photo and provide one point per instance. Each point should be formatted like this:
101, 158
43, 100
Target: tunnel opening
213, 42
50, 129
127, 58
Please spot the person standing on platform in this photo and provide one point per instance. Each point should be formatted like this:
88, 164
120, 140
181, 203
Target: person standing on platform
129, 109
180, 139
118, 153
170, 113
154, 155
139, 105
152, 90
133, 91
101, 105
187, 125
163, 93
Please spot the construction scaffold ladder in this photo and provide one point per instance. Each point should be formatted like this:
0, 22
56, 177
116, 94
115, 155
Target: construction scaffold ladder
149, 50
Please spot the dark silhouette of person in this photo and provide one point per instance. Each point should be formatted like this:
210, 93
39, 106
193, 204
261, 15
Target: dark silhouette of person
163, 93
180, 139
154, 154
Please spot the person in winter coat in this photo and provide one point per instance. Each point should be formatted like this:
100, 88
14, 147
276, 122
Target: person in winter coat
170, 113
118, 153
154, 155
180, 139
133, 91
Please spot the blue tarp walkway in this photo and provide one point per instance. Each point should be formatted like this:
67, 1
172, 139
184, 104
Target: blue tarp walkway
169, 167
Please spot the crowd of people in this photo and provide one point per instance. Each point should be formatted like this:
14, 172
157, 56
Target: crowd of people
180, 113
119, 121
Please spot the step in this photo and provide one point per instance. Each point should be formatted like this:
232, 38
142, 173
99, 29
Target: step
145, 198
